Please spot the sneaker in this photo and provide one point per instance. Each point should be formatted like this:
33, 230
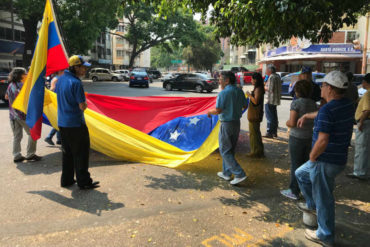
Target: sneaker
222, 175
19, 159
288, 193
303, 207
311, 235
236, 181
34, 157
360, 177
49, 141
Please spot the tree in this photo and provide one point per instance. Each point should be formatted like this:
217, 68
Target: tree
274, 21
80, 21
146, 29
204, 54
161, 56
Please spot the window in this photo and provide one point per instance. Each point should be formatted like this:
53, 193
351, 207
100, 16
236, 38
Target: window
108, 52
119, 53
121, 28
2, 32
351, 36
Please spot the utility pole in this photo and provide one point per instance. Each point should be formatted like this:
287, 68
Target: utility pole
364, 51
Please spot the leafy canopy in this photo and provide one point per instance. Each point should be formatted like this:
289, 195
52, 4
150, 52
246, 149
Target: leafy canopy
256, 22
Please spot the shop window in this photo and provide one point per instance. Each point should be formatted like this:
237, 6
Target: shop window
351, 36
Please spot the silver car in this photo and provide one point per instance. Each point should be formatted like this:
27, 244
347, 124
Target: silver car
101, 74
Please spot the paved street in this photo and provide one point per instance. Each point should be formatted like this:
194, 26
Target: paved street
146, 205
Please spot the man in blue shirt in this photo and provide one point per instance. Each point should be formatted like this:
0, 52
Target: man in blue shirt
331, 138
229, 106
72, 126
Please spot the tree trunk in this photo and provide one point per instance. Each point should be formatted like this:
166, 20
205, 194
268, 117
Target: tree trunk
30, 29
133, 55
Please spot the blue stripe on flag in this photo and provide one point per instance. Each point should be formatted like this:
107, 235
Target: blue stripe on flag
36, 100
53, 36
186, 133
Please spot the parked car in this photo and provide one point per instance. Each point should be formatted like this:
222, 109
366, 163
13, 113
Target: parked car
282, 74
155, 73
101, 74
146, 71
125, 73
191, 81
139, 78
167, 76
287, 84
4, 74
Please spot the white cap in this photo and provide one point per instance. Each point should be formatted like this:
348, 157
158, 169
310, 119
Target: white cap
336, 79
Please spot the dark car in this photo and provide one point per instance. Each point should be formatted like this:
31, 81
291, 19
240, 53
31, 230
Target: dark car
139, 78
155, 74
190, 81
4, 74
287, 84
238, 69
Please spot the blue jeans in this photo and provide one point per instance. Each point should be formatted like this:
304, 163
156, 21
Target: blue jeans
52, 133
316, 181
272, 119
299, 151
228, 138
362, 150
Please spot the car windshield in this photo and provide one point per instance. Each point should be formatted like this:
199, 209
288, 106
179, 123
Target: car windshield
136, 73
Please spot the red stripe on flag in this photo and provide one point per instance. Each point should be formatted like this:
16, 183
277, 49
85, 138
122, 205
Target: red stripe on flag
56, 60
36, 130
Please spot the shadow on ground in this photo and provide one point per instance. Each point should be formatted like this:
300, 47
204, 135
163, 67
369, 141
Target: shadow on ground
91, 201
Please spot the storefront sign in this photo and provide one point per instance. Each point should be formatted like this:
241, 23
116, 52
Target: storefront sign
320, 49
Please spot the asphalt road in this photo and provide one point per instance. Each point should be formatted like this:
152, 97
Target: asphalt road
146, 205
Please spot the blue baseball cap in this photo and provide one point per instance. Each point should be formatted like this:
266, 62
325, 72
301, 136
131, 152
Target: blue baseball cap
77, 60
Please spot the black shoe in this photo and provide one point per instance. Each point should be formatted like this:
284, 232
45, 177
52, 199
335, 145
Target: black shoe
59, 142
274, 136
49, 141
268, 135
66, 185
34, 158
19, 159
93, 185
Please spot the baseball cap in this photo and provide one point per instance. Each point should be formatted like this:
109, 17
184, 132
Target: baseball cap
306, 69
336, 79
77, 60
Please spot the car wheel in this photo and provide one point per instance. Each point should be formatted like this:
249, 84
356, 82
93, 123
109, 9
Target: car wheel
115, 79
198, 88
209, 91
168, 87
94, 79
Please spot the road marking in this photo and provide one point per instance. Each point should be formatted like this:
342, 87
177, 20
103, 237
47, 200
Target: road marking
240, 238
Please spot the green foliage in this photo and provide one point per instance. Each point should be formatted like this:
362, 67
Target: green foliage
82, 22
204, 54
274, 21
162, 55
146, 28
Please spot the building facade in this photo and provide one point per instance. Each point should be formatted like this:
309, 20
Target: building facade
337, 54
11, 40
101, 53
122, 50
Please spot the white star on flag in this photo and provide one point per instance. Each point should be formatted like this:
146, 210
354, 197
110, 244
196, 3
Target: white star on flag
174, 135
194, 120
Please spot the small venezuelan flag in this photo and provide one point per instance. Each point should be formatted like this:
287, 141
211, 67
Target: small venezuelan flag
49, 57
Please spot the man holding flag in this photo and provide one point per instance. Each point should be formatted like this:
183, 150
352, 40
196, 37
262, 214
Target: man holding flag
72, 126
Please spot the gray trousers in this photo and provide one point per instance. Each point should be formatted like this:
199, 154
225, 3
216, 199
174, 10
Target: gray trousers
362, 150
17, 128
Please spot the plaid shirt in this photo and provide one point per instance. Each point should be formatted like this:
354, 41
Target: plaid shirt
12, 92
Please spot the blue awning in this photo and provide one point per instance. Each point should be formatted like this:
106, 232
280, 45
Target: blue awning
11, 47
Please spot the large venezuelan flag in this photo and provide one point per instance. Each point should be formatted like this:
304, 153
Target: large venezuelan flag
49, 57
167, 131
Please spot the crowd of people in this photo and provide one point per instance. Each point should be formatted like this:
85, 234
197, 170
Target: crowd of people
319, 137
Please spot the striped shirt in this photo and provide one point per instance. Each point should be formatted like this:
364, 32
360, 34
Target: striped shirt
336, 119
